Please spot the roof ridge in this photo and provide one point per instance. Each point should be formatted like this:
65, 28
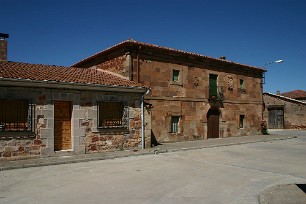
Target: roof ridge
130, 40
37, 64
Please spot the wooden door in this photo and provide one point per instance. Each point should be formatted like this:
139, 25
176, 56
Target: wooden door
213, 124
276, 118
62, 125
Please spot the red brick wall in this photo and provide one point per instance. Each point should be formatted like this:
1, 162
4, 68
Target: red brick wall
3, 50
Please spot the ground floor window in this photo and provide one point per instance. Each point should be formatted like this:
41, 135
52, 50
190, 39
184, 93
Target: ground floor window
112, 115
175, 124
241, 121
15, 115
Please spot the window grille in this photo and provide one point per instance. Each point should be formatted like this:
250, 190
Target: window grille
112, 115
16, 115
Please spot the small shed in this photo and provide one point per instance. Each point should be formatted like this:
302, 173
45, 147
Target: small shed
283, 112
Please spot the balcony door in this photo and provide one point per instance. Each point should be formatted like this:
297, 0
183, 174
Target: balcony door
213, 85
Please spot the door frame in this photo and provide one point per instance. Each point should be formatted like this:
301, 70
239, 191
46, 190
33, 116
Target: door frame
277, 117
213, 130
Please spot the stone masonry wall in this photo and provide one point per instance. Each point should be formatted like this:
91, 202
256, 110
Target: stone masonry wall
118, 65
16, 145
86, 137
97, 140
188, 98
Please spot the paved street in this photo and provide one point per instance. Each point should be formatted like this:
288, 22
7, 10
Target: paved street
226, 174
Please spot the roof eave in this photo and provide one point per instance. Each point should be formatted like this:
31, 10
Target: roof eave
70, 85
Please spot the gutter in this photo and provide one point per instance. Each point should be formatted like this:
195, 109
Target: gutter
143, 137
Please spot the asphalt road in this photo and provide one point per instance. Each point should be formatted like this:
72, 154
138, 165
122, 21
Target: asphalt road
229, 174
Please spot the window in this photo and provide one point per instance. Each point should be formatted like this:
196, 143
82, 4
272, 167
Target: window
15, 115
175, 124
241, 84
213, 85
175, 75
112, 115
241, 121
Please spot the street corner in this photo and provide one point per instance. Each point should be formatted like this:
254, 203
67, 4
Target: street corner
284, 194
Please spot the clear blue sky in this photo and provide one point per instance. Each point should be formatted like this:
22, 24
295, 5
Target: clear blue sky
63, 32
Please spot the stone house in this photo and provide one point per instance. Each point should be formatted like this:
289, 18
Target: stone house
193, 96
48, 109
284, 112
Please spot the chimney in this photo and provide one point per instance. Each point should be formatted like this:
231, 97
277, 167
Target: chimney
3, 46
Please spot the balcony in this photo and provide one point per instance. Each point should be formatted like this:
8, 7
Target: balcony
215, 98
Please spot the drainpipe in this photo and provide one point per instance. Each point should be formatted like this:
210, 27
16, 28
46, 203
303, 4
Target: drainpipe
143, 137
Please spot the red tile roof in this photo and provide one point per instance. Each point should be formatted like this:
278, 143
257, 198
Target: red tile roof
296, 94
45, 73
137, 43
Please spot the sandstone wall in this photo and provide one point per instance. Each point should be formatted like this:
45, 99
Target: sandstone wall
188, 98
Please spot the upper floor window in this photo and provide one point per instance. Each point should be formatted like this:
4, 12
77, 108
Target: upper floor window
175, 75
15, 115
112, 115
241, 84
213, 85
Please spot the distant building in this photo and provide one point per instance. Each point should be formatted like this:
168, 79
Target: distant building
284, 112
296, 94
193, 96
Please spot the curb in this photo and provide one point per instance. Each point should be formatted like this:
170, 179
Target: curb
283, 194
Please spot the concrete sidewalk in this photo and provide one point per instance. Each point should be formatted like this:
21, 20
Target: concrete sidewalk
167, 147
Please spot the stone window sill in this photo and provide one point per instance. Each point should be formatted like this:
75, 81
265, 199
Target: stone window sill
242, 90
177, 83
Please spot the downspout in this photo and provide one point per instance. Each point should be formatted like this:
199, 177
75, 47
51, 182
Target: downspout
143, 136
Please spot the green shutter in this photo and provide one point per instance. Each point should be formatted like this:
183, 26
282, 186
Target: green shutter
213, 85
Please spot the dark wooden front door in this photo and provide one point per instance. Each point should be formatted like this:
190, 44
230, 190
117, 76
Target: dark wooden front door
62, 125
213, 124
276, 118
